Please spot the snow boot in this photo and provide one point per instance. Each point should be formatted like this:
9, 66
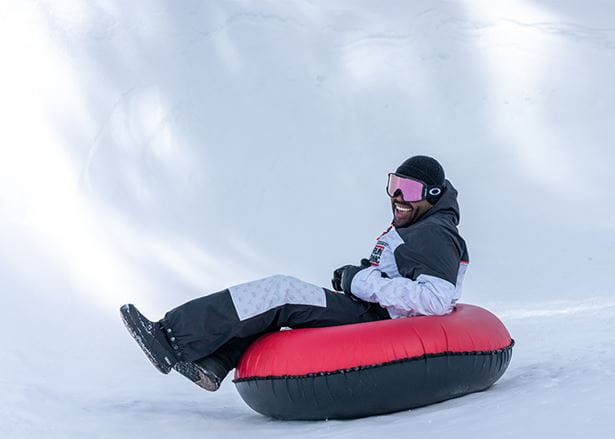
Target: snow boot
207, 372
150, 337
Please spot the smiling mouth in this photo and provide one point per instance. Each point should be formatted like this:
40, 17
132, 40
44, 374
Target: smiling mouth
401, 208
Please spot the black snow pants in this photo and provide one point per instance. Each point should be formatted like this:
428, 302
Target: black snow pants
225, 323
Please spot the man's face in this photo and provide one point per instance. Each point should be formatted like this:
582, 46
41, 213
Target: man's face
405, 213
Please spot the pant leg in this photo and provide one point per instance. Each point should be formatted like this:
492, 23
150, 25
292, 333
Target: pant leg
202, 326
231, 352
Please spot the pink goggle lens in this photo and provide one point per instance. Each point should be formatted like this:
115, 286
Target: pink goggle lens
411, 190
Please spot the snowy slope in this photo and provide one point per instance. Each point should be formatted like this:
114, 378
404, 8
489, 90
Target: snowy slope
559, 385
151, 152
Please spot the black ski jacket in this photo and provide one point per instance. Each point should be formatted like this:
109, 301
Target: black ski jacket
418, 269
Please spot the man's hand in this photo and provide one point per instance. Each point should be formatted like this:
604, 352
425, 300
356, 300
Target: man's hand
342, 277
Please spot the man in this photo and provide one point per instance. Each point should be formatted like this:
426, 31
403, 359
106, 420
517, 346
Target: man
416, 268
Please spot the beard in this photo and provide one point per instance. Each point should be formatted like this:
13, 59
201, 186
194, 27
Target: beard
405, 219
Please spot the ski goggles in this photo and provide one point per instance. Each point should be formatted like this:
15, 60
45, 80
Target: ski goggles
411, 190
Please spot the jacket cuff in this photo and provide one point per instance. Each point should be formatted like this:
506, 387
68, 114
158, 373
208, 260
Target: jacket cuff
360, 284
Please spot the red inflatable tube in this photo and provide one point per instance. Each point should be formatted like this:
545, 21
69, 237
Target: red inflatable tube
373, 368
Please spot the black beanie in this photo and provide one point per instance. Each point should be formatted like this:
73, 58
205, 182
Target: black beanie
425, 169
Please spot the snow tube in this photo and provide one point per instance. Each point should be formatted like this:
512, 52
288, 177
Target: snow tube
372, 368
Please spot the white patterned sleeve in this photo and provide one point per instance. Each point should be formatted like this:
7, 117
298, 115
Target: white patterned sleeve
427, 295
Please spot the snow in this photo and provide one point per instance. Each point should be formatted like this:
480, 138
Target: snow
151, 152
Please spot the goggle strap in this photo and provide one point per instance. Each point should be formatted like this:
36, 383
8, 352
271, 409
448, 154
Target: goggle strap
432, 193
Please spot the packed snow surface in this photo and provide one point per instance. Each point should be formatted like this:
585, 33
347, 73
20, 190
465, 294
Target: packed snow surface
152, 152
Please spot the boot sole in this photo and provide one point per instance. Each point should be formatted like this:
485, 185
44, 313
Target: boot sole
132, 324
199, 376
